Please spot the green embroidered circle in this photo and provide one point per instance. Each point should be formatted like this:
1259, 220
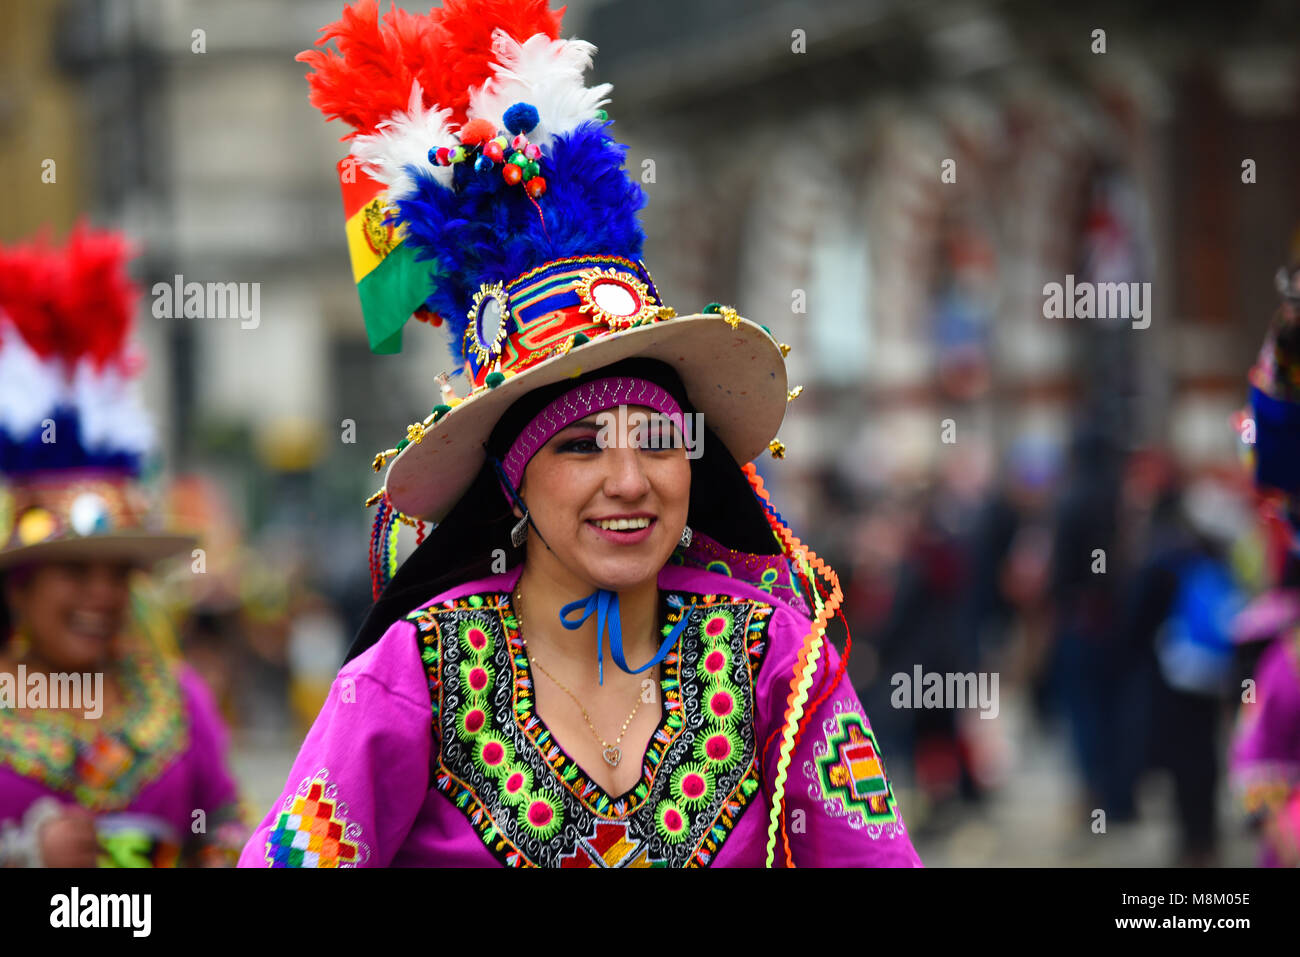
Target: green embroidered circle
476, 638
516, 784
692, 785
718, 747
716, 664
671, 821
476, 677
493, 753
716, 627
541, 815
471, 718
721, 704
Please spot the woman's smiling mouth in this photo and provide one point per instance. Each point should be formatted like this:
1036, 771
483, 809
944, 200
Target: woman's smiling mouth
624, 529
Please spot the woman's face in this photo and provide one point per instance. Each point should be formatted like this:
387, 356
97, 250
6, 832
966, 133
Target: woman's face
588, 478
71, 611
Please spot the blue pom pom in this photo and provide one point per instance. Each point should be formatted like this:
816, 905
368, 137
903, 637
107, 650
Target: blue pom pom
521, 118
483, 164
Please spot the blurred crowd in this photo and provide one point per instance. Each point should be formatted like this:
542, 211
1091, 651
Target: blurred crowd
1100, 588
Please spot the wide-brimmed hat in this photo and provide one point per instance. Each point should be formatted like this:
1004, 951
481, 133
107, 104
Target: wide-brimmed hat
73, 435
485, 195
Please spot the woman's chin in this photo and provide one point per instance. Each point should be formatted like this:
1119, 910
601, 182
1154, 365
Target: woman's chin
78, 652
625, 573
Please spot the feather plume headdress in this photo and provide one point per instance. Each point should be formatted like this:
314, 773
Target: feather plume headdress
73, 434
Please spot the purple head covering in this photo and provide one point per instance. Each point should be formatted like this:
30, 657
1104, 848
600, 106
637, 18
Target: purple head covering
578, 403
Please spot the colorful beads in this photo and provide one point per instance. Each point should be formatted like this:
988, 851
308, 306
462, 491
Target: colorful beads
479, 146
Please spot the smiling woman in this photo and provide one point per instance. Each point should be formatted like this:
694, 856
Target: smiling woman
476, 720
109, 744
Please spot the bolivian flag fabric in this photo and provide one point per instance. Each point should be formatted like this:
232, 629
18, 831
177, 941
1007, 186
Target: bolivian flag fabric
392, 285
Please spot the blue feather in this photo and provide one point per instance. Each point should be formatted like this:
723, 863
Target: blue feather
29, 454
485, 230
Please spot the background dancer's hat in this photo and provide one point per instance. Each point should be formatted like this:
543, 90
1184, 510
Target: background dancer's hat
72, 434
1275, 394
485, 195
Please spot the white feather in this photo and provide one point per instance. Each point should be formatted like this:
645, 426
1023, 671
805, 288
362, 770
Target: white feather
546, 73
403, 141
30, 387
112, 415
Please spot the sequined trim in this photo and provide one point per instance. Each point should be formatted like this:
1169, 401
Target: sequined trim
531, 803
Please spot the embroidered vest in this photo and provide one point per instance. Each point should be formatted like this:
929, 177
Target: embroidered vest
531, 804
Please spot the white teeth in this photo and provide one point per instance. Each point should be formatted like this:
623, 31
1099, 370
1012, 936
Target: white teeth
622, 524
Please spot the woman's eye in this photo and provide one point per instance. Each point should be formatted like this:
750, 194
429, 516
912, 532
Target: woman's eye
584, 444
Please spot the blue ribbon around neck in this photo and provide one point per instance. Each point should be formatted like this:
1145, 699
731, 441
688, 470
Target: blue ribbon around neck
605, 605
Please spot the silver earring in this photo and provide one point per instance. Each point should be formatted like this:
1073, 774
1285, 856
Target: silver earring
519, 534
685, 540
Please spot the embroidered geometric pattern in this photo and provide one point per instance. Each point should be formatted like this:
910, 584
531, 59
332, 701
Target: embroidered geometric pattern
608, 845
104, 764
313, 829
851, 771
531, 804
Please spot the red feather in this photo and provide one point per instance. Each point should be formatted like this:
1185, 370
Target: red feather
465, 56
71, 302
448, 51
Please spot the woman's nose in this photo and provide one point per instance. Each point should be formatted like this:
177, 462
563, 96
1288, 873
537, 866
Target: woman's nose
626, 477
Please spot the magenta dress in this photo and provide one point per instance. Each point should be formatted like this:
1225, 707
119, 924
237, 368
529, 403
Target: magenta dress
1265, 765
429, 753
153, 774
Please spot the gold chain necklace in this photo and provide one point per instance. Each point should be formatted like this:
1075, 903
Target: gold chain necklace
612, 753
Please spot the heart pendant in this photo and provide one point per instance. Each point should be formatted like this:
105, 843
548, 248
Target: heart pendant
612, 756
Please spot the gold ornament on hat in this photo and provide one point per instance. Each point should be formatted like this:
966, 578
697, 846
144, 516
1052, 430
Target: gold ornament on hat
35, 525
483, 343
615, 298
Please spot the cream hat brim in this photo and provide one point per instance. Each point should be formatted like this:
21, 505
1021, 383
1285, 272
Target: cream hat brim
734, 376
